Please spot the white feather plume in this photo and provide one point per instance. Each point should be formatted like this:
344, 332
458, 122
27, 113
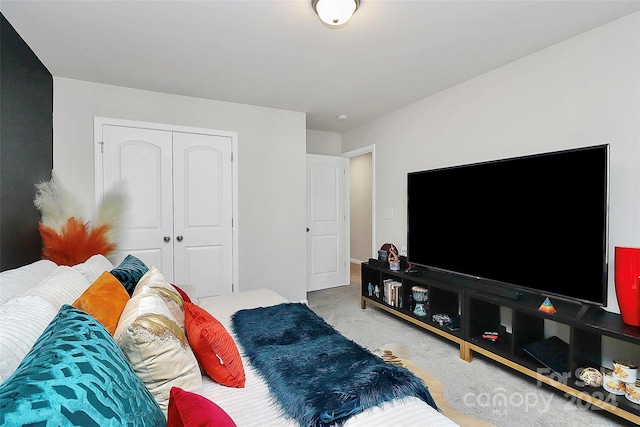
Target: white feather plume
111, 211
55, 203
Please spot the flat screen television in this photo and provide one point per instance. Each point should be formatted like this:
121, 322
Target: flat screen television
537, 222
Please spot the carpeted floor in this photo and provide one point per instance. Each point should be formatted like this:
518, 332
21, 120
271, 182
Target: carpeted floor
399, 354
482, 389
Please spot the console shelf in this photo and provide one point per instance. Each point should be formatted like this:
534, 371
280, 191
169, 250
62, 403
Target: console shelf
524, 342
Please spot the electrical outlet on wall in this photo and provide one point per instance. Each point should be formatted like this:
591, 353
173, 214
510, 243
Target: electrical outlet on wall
388, 213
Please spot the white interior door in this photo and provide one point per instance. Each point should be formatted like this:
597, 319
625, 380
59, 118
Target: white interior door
203, 212
326, 222
142, 160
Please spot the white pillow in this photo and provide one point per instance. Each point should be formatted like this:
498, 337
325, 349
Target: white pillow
157, 348
22, 321
18, 280
137, 306
94, 267
63, 286
154, 282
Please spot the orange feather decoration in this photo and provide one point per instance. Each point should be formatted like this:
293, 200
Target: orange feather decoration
75, 243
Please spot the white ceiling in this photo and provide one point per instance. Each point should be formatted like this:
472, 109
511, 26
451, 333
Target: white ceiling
276, 53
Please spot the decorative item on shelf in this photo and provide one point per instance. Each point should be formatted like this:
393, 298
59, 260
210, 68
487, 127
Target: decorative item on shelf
382, 257
370, 289
612, 384
627, 282
390, 252
547, 307
632, 392
625, 370
490, 336
394, 260
441, 319
420, 296
410, 302
591, 377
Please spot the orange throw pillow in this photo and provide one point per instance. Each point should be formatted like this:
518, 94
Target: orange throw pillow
214, 348
104, 299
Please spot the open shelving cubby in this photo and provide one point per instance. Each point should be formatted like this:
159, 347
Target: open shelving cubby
443, 299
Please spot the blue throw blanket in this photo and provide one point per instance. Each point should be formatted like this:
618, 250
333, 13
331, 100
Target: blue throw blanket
318, 376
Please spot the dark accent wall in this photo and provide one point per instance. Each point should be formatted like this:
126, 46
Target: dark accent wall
26, 146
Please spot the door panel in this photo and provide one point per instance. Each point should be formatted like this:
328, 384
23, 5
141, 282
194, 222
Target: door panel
203, 212
325, 245
326, 253
141, 159
204, 268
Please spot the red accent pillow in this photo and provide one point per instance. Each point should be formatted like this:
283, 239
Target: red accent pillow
188, 409
182, 293
214, 348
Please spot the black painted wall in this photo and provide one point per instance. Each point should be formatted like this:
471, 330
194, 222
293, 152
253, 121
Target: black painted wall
26, 146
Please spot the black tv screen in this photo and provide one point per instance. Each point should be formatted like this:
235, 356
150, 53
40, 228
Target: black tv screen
536, 222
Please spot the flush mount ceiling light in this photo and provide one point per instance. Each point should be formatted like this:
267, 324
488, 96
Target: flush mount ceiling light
335, 13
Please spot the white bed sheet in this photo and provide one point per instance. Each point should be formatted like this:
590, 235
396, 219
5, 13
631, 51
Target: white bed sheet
252, 406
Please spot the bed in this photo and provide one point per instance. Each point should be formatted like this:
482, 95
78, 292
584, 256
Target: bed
48, 290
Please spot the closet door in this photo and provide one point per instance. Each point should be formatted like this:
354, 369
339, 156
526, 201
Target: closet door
141, 159
181, 211
203, 212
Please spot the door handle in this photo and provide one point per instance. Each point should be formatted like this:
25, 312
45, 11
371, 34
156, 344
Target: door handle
179, 238
307, 229
166, 238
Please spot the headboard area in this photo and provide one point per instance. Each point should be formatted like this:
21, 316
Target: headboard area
26, 146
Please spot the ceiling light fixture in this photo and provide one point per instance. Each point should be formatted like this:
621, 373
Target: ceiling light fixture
335, 13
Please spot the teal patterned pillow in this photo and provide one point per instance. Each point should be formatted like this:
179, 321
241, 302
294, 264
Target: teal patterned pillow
129, 272
76, 375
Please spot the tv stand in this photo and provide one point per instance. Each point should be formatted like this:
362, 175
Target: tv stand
481, 307
583, 311
512, 294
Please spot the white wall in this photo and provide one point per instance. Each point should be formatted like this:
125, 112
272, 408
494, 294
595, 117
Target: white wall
325, 143
271, 168
582, 92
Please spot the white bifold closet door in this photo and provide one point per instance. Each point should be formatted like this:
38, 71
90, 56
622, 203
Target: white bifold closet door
180, 215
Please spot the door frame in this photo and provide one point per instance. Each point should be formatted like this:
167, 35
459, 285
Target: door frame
354, 153
99, 122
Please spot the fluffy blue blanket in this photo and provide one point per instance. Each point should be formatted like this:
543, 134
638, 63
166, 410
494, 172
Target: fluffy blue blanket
318, 376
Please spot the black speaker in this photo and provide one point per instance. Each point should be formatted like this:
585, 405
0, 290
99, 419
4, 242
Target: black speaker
373, 261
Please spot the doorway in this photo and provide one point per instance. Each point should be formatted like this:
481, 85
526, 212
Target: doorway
361, 203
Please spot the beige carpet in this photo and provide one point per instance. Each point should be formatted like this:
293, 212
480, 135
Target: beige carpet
399, 355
